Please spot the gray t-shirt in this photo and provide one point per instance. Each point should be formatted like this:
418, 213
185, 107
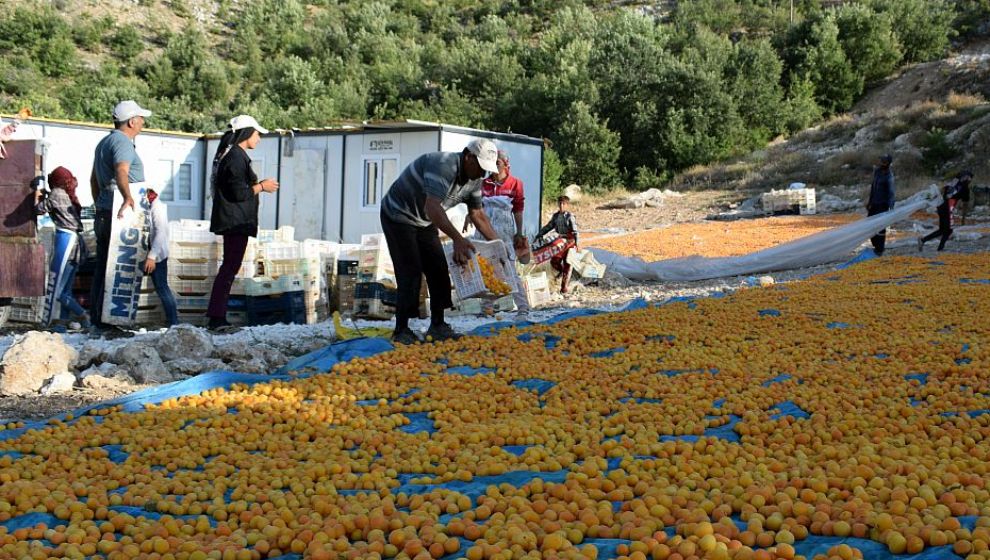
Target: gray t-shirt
115, 148
433, 174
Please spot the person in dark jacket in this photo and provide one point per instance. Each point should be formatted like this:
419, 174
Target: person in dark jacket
881, 199
955, 192
564, 224
235, 207
63, 207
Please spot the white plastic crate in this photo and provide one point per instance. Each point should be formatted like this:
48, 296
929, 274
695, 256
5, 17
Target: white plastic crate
277, 268
152, 316
148, 299
537, 289
190, 286
194, 251
187, 303
27, 310
202, 225
467, 279
320, 248
585, 264
279, 250
284, 233
248, 269
178, 233
266, 286
192, 269
776, 200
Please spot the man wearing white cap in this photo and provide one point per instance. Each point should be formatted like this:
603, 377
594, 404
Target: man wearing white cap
412, 211
116, 165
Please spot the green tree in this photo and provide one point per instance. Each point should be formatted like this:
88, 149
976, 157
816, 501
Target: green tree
801, 110
553, 170
868, 40
753, 79
293, 82
588, 149
812, 51
923, 27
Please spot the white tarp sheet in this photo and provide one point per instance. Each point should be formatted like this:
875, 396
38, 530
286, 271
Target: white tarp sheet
820, 248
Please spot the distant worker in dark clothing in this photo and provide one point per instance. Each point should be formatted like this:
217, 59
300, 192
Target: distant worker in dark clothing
564, 224
881, 199
953, 194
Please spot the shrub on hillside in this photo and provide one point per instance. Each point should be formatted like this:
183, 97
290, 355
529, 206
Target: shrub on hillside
553, 170
923, 27
588, 149
868, 40
936, 149
126, 44
812, 51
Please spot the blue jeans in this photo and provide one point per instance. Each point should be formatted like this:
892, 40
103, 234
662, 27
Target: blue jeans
69, 304
159, 277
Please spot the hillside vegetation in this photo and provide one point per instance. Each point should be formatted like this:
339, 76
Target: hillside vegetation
625, 94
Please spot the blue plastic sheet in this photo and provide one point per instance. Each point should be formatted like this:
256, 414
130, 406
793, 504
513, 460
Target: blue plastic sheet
29, 520
539, 385
726, 431
974, 280
477, 487
324, 359
864, 255
778, 379
418, 422
922, 378
788, 408
769, 313
469, 371
516, 450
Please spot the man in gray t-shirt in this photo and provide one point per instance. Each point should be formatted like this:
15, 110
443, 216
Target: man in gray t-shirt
412, 212
115, 166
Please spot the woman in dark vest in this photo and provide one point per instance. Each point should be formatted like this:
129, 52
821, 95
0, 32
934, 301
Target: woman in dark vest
235, 207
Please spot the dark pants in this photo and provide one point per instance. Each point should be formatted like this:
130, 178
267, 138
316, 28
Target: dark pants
101, 228
159, 277
880, 239
560, 264
234, 246
416, 251
944, 227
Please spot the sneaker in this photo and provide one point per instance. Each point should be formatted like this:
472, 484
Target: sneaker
405, 337
921, 244
441, 332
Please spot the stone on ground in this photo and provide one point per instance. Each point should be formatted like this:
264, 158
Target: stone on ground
32, 360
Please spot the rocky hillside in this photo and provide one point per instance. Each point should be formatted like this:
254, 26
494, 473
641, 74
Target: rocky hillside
934, 118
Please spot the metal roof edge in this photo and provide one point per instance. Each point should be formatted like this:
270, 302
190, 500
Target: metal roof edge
84, 124
510, 136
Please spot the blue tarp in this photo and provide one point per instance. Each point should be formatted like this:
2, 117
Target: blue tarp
323, 360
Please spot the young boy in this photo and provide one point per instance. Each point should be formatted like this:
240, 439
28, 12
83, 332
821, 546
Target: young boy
563, 223
953, 194
156, 263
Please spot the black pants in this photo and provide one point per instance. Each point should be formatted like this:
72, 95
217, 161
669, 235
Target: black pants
101, 228
417, 251
944, 227
880, 239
